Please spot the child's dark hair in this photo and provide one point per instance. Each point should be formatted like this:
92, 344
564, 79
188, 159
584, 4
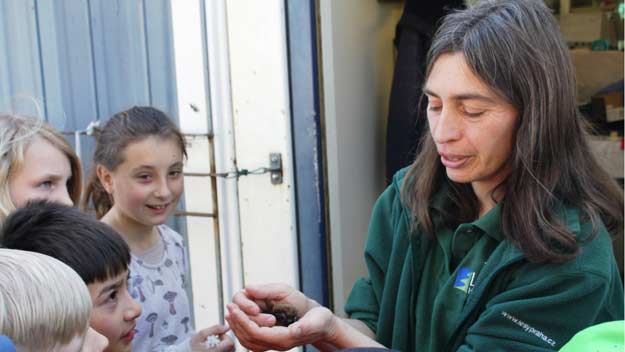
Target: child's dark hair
122, 129
92, 248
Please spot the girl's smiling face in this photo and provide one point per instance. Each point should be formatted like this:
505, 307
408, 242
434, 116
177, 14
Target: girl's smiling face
43, 174
147, 185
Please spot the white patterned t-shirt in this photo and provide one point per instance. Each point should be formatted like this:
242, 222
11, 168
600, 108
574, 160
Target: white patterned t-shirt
160, 290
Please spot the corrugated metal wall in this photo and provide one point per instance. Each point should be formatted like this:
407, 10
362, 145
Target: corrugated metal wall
75, 61
83, 60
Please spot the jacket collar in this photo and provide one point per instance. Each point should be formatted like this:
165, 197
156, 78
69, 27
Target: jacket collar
489, 223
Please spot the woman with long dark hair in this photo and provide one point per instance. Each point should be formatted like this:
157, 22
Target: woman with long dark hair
498, 237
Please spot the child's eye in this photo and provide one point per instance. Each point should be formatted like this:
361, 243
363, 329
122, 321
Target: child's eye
144, 177
112, 297
175, 173
45, 184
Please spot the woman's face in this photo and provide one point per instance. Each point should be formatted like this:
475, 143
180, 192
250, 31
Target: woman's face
473, 128
44, 174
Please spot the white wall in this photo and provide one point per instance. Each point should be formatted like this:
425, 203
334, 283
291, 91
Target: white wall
261, 115
201, 231
247, 82
357, 66
357, 57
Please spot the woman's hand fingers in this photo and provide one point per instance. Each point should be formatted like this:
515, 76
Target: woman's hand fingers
240, 324
255, 337
258, 331
274, 292
313, 326
246, 303
253, 310
257, 300
237, 324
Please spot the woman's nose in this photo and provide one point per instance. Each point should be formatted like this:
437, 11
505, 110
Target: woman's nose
447, 127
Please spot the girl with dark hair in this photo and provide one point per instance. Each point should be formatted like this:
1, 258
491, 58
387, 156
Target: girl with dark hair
497, 238
135, 187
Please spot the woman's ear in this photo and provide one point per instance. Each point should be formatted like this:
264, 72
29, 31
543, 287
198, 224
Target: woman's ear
105, 177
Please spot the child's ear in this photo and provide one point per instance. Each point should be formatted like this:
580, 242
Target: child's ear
105, 177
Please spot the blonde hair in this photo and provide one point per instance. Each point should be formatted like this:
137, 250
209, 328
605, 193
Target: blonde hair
16, 134
44, 304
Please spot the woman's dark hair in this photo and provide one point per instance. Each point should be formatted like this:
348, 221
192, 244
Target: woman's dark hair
516, 48
122, 129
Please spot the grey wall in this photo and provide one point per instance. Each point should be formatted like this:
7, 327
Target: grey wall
82, 60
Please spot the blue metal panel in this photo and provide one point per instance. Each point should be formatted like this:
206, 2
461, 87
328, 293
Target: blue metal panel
132, 46
84, 60
119, 50
161, 65
75, 63
50, 66
307, 150
20, 62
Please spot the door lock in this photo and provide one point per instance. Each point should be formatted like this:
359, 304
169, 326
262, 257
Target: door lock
275, 168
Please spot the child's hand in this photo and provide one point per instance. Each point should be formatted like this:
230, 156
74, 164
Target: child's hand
226, 344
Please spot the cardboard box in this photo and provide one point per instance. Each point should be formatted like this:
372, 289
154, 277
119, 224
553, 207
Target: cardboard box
612, 106
587, 25
614, 114
595, 70
612, 100
584, 27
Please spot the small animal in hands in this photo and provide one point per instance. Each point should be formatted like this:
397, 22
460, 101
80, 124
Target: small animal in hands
285, 313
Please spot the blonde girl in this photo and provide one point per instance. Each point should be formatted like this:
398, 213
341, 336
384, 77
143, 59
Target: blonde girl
36, 162
135, 187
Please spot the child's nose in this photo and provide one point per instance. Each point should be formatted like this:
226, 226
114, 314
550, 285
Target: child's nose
162, 189
133, 310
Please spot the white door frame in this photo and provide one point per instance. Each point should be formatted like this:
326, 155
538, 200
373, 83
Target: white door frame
248, 89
